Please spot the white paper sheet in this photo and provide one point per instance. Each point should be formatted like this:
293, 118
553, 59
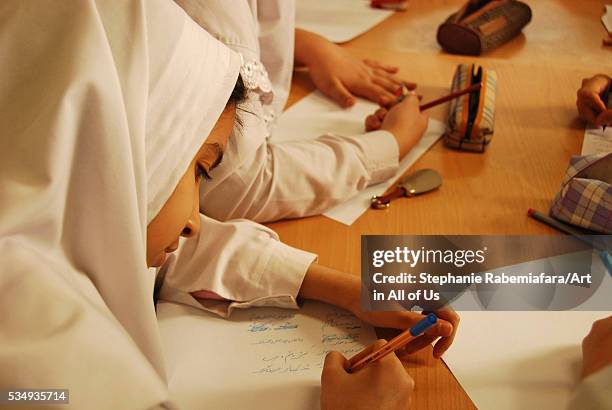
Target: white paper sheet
520, 360
259, 358
338, 20
597, 141
316, 115
606, 18
523, 360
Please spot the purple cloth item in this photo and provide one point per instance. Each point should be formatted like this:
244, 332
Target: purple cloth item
585, 198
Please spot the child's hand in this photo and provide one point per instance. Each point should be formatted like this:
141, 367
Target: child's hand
344, 290
382, 385
445, 329
589, 101
404, 120
341, 76
596, 351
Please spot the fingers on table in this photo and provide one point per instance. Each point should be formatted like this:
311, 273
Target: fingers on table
339, 93
375, 64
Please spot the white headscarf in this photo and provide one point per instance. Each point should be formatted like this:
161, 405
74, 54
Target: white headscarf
262, 31
102, 107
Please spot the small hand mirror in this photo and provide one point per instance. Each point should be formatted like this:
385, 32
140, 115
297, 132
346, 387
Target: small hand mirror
419, 182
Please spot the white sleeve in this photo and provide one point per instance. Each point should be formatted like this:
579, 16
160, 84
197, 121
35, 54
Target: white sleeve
593, 393
242, 262
266, 181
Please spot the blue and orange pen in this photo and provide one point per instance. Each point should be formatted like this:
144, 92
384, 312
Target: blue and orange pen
361, 359
606, 258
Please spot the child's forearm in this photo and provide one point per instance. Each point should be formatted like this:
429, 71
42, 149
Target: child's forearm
331, 286
308, 45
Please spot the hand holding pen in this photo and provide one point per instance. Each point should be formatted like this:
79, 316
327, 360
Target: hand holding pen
385, 385
593, 100
375, 121
374, 353
406, 119
374, 378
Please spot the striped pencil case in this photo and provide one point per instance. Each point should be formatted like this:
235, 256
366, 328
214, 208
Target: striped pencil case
585, 198
472, 116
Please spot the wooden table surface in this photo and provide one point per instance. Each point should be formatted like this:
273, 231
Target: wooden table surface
536, 132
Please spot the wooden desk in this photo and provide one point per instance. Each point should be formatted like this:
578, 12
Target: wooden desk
536, 133
560, 31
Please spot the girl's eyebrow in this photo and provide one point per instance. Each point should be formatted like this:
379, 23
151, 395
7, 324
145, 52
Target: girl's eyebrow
217, 161
218, 155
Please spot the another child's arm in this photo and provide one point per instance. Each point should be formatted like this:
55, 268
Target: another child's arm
344, 290
340, 75
591, 106
597, 347
593, 392
277, 180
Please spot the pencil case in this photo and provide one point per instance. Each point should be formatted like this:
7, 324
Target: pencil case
398, 5
585, 198
471, 117
482, 25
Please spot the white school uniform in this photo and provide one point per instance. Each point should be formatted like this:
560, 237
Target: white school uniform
103, 106
262, 180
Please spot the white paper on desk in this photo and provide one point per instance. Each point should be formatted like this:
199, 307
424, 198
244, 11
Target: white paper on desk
338, 20
597, 141
519, 360
523, 360
259, 358
606, 19
316, 115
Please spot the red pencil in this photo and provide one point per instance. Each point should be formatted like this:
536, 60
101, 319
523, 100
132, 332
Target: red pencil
471, 89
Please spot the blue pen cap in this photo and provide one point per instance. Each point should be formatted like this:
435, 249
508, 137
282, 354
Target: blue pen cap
424, 324
606, 258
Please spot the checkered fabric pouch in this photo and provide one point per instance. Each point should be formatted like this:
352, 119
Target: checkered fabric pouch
472, 117
585, 198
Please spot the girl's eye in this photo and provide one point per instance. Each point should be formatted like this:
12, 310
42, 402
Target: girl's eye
201, 172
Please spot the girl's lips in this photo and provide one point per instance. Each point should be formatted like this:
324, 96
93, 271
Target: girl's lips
172, 247
160, 260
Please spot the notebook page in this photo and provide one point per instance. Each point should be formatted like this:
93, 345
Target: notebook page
269, 356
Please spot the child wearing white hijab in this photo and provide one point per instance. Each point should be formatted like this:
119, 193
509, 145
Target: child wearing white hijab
253, 181
112, 113
237, 265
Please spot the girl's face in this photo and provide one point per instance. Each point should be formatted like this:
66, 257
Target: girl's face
180, 215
